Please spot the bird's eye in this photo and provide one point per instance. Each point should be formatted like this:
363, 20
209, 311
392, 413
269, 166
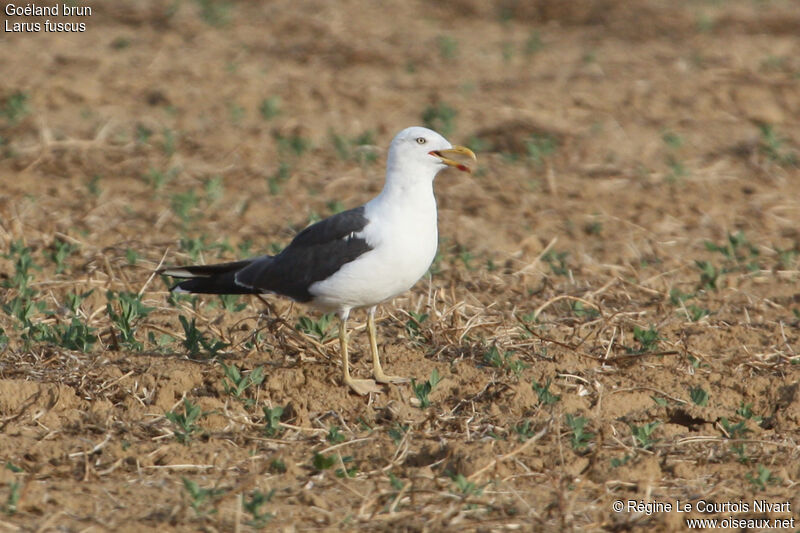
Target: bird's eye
421, 140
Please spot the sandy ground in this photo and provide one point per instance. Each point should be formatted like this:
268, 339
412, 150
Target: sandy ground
613, 314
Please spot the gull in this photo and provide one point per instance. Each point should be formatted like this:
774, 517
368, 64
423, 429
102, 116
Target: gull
355, 259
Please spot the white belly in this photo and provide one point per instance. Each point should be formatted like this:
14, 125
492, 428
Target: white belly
404, 246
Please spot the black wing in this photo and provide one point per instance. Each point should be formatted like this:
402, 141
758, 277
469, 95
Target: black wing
315, 254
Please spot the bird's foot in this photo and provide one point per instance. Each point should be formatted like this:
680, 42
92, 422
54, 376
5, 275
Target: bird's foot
362, 386
380, 377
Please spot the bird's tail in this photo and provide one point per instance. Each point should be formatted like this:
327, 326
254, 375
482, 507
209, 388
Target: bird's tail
209, 279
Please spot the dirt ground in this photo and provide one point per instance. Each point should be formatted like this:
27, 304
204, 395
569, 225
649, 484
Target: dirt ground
613, 315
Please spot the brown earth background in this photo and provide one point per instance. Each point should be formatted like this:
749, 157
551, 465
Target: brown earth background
613, 313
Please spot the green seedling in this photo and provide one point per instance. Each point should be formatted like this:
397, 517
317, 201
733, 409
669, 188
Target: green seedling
348, 472
72, 336
321, 328
699, 396
505, 361
230, 302
642, 435
200, 499
293, 144
281, 176
524, 430
59, 251
15, 107
270, 107
195, 342
745, 410
322, 462
252, 505
539, 146
737, 251
543, 392
414, 325
616, 462
772, 145
439, 117
358, 148
131, 312
235, 383
334, 436
397, 433
277, 466
648, 340
465, 487
185, 422
763, 477
216, 13
448, 47
557, 262
533, 43
272, 421
581, 310
580, 438
422, 390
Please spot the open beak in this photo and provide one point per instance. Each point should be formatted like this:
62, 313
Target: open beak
459, 150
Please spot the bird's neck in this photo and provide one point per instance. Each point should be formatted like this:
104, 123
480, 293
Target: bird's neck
416, 195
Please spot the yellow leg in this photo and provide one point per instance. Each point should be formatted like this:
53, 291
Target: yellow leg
377, 371
360, 386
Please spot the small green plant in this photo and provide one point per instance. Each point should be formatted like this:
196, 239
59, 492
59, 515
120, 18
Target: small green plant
762, 477
738, 252
414, 325
648, 340
696, 312
216, 13
699, 396
195, 342
616, 462
580, 438
422, 390
448, 47
131, 312
252, 505
59, 251
772, 145
281, 176
15, 107
397, 433
734, 432
524, 430
709, 274
347, 471
272, 421
294, 144
235, 383
270, 107
74, 335
355, 149
465, 487
439, 117
581, 310
543, 392
322, 329
642, 435
334, 436
231, 302
201, 500
533, 43
557, 262
185, 205
505, 361
539, 146
745, 410
277, 466
185, 422
322, 462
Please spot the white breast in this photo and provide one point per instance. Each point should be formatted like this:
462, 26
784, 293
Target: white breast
404, 239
